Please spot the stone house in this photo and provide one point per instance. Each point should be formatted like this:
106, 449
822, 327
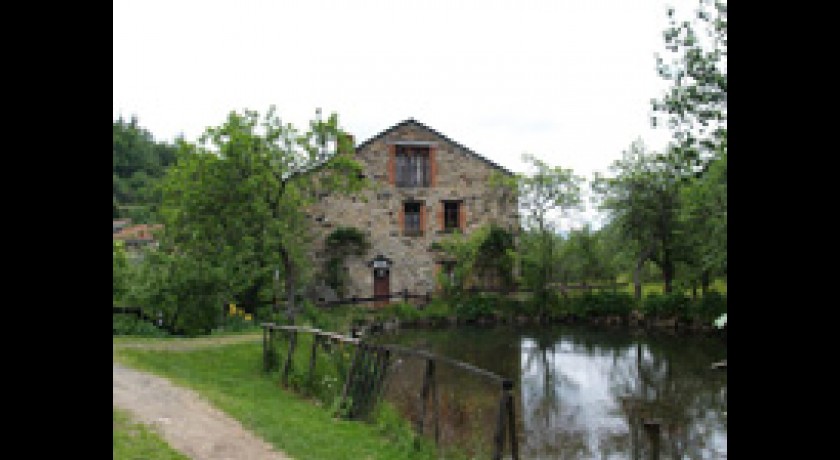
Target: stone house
425, 186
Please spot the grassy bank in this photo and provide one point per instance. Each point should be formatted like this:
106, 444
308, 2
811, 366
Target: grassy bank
134, 440
231, 378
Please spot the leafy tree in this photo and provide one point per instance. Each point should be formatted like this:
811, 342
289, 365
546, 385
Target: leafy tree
694, 107
495, 256
120, 267
138, 164
643, 198
236, 199
544, 195
586, 257
704, 216
485, 256
187, 292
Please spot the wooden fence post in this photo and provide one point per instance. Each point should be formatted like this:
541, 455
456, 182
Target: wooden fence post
315, 339
499, 436
514, 443
428, 377
289, 363
505, 413
652, 431
349, 380
265, 348
383, 372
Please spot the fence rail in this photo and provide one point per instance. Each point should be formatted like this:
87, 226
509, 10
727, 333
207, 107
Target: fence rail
405, 295
363, 383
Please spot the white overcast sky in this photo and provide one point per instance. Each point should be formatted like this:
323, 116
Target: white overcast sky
569, 81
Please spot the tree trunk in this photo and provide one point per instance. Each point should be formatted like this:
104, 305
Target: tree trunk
668, 277
667, 272
637, 277
637, 273
289, 270
704, 282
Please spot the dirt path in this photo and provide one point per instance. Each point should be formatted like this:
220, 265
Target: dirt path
189, 344
187, 422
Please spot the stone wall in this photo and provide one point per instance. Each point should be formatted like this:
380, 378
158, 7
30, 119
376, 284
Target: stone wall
460, 175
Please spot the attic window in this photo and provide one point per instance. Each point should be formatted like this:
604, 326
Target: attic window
413, 168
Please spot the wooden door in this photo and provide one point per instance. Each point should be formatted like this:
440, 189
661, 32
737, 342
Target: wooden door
381, 285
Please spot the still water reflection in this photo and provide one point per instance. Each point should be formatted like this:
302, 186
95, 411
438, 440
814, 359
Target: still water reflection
580, 393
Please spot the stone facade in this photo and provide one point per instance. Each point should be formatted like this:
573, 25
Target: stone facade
458, 174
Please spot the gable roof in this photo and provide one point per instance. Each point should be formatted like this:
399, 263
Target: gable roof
412, 121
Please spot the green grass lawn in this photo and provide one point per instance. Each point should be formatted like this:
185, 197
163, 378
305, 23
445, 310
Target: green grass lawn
231, 378
137, 441
657, 287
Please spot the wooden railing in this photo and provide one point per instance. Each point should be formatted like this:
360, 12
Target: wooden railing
404, 295
363, 383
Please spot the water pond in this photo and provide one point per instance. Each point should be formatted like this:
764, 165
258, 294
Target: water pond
579, 392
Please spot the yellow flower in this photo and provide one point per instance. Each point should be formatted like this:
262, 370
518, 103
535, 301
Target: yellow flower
232, 309
248, 317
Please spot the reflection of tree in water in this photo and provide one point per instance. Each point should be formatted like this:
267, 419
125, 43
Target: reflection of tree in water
552, 428
680, 393
561, 413
467, 404
662, 381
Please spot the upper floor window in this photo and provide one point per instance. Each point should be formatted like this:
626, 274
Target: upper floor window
412, 219
413, 168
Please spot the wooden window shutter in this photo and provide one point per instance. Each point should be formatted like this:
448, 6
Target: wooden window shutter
422, 219
462, 216
401, 220
432, 167
440, 210
392, 161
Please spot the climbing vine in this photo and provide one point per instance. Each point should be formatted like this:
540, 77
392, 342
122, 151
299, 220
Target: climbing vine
341, 243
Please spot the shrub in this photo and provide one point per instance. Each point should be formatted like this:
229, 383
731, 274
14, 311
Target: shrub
473, 308
437, 309
187, 292
667, 305
129, 324
614, 303
709, 307
236, 320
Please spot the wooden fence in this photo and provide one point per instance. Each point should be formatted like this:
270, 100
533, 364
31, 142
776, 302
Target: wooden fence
363, 384
403, 295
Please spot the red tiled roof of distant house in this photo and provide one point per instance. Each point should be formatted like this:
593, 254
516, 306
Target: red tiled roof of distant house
138, 232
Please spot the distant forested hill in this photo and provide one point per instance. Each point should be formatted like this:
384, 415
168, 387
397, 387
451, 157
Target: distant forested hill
139, 163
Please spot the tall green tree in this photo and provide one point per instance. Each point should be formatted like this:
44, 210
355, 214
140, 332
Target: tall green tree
695, 63
236, 199
642, 196
695, 109
704, 214
545, 194
587, 256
